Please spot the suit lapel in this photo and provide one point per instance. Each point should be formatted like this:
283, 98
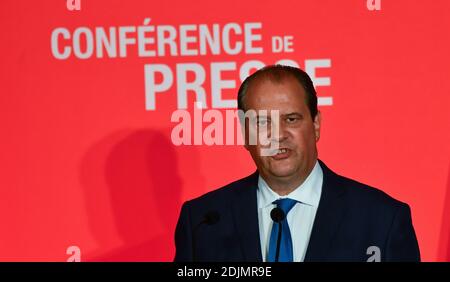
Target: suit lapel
245, 213
328, 218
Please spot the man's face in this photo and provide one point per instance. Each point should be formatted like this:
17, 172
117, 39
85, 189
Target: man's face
298, 133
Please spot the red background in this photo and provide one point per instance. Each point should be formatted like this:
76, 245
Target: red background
83, 163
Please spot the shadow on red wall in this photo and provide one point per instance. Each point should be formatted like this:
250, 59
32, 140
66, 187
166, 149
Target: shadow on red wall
133, 177
444, 250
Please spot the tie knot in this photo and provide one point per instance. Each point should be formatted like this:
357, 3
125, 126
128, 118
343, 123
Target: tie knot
285, 204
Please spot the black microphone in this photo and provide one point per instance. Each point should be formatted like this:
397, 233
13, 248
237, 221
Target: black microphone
277, 216
210, 218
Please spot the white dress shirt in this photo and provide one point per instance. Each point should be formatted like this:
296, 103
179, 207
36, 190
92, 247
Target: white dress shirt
300, 218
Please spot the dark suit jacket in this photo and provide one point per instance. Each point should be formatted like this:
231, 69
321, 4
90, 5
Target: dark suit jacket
350, 218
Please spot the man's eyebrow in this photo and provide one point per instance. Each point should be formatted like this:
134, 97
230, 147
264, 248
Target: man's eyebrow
292, 114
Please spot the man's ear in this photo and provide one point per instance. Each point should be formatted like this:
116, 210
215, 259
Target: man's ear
244, 130
246, 140
317, 123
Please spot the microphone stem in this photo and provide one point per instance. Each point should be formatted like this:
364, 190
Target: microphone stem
278, 242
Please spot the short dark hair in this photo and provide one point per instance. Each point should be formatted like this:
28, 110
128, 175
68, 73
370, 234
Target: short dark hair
278, 73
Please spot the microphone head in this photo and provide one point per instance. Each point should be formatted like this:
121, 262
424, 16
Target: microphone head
277, 215
212, 217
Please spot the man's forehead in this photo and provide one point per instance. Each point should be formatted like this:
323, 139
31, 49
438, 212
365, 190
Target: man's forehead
276, 90
277, 96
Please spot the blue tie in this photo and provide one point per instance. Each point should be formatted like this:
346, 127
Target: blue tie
286, 253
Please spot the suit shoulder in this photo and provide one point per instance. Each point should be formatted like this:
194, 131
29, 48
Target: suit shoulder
360, 194
224, 193
369, 196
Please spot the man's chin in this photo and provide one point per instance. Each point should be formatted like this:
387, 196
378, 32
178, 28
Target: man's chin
283, 172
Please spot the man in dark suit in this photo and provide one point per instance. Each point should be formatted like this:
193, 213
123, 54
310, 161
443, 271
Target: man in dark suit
293, 208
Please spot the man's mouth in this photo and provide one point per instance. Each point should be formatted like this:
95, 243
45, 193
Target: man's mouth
282, 153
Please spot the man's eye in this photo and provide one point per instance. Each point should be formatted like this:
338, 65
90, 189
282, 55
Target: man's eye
262, 122
291, 119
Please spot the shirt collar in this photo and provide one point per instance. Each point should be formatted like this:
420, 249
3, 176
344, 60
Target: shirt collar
307, 193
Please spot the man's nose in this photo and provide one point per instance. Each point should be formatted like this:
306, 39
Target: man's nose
278, 132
